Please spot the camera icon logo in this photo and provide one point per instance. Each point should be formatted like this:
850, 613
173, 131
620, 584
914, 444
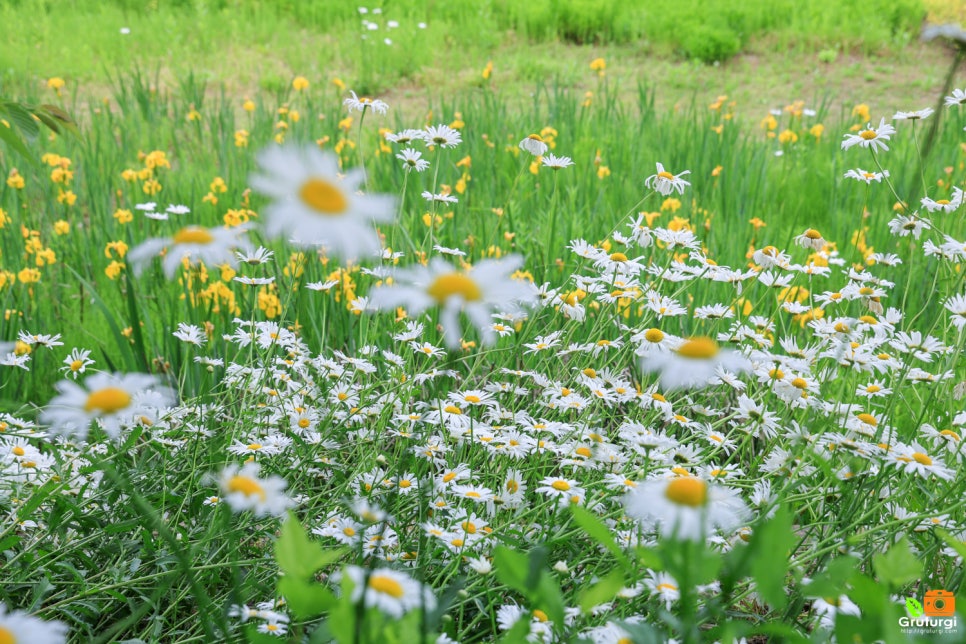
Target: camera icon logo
939, 603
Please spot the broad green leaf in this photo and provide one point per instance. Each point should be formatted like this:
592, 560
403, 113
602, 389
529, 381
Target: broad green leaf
511, 568
831, 582
20, 119
11, 138
771, 545
898, 566
36, 499
305, 599
548, 598
603, 591
598, 531
299, 556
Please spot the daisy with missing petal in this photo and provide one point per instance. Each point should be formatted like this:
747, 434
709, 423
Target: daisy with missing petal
476, 292
242, 489
440, 198
77, 362
412, 160
113, 400
314, 205
693, 363
356, 104
863, 175
665, 183
534, 144
18, 627
870, 137
554, 162
686, 507
210, 246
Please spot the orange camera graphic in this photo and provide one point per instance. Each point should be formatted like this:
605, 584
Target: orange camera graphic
938, 603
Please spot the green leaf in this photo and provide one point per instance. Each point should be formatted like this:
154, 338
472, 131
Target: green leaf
518, 634
898, 566
9, 541
20, 119
603, 591
954, 543
598, 531
548, 598
511, 568
36, 499
11, 138
305, 599
831, 582
771, 545
297, 555
55, 118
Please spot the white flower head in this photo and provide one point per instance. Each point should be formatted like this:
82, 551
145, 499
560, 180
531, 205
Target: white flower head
392, 592
693, 363
210, 246
356, 104
534, 144
665, 183
870, 137
18, 627
242, 489
317, 207
686, 507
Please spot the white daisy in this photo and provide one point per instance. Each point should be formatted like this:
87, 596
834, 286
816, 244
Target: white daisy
18, 627
243, 490
686, 507
210, 246
392, 592
313, 204
665, 183
870, 137
534, 144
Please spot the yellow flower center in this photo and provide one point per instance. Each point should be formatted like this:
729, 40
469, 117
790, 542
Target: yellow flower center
687, 490
76, 365
664, 174
473, 494
7, 636
304, 423
868, 135
942, 202
583, 451
868, 419
950, 434
799, 383
247, 486
193, 235
618, 257
654, 335
536, 137
18, 451
921, 458
540, 615
107, 400
386, 585
254, 446
873, 389
454, 284
349, 531
323, 197
658, 397
512, 486
811, 233
561, 485
670, 587
471, 398
698, 348
452, 409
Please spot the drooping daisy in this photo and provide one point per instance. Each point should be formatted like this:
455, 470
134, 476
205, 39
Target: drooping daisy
534, 144
477, 292
356, 104
913, 116
18, 627
242, 489
686, 507
693, 363
870, 137
113, 400
315, 206
862, 175
392, 592
211, 246
665, 183
958, 97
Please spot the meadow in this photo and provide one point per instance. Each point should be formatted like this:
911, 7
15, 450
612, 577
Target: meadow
536, 357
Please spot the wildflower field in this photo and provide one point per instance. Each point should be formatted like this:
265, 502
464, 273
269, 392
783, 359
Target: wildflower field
299, 366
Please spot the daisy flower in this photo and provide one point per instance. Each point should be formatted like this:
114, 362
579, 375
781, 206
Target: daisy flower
686, 507
913, 116
477, 292
260, 255
318, 207
391, 592
210, 246
442, 135
242, 490
412, 160
665, 183
356, 104
77, 362
534, 144
863, 175
958, 97
191, 334
112, 400
693, 363
554, 162
19, 627
441, 198
870, 137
